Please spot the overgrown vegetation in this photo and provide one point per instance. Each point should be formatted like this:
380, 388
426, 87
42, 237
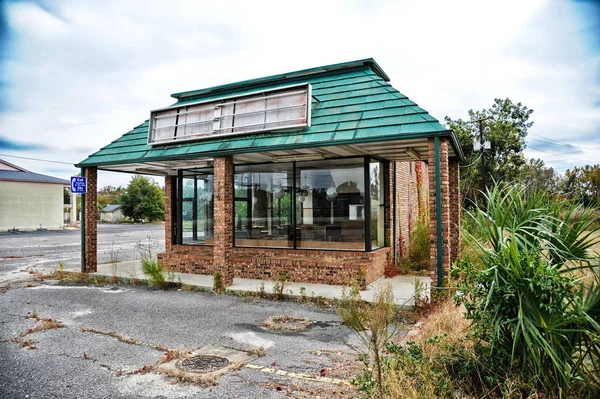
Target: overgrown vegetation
525, 318
534, 295
373, 324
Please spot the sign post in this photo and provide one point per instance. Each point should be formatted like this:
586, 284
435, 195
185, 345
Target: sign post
78, 185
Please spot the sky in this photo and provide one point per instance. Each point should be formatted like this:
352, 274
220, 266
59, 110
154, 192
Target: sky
76, 74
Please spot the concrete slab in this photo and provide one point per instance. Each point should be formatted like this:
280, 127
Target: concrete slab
402, 286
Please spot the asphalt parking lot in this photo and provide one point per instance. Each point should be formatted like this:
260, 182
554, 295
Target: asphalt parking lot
44, 251
110, 336
72, 362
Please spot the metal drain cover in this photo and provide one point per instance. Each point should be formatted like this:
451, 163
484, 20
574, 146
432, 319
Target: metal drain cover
203, 363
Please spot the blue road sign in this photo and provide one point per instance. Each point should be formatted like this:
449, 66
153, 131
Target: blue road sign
78, 185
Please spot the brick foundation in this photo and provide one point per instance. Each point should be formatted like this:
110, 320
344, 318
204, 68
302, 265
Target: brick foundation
305, 266
91, 224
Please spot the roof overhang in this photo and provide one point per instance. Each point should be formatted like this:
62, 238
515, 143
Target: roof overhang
404, 149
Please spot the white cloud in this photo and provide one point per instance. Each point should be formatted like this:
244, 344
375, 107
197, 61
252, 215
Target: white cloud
82, 73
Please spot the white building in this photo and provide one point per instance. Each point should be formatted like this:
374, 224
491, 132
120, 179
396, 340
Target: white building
112, 214
30, 200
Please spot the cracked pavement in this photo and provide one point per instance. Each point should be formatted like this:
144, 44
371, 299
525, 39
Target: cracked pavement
73, 362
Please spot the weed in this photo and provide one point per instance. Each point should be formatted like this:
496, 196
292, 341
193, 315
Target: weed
303, 294
218, 282
154, 271
371, 323
260, 351
280, 284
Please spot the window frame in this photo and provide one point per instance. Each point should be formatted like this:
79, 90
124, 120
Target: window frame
367, 214
308, 112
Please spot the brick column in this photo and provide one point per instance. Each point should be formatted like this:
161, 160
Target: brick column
91, 224
445, 214
455, 210
169, 217
223, 217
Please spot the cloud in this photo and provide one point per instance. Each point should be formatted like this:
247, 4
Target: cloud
80, 73
561, 149
13, 145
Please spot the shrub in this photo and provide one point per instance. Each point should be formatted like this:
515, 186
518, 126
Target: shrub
154, 271
371, 323
419, 248
534, 295
280, 284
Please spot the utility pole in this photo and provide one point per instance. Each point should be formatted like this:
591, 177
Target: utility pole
483, 171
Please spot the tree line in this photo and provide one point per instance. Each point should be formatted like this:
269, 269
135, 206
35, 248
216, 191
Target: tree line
141, 200
505, 126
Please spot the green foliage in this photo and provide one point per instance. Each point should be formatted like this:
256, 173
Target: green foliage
372, 323
279, 284
218, 282
508, 124
419, 246
143, 200
109, 195
534, 296
535, 176
154, 271
582, 182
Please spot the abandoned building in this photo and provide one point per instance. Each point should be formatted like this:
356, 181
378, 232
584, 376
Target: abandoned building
320, 174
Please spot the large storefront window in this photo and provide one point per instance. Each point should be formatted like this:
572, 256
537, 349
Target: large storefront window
263, 205
331, 204
197, 207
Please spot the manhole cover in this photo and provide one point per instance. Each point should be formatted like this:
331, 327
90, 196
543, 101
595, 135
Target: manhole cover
203, 363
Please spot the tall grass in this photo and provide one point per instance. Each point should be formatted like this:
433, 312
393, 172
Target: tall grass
535, 298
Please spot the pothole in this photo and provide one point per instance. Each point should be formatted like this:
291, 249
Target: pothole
286, 323
203, 363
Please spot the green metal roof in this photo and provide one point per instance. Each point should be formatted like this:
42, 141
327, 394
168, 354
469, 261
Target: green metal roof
352, 103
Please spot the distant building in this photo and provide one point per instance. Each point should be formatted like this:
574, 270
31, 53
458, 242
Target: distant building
112, 214
30, 200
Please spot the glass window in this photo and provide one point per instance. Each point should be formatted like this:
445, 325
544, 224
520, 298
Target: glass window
330, 201
197, 207
263, 205
377, 205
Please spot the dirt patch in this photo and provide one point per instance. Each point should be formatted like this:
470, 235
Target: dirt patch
286, 323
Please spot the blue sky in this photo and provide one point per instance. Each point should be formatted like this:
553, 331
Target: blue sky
77, 74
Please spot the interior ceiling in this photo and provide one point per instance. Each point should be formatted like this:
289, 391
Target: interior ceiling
390, 150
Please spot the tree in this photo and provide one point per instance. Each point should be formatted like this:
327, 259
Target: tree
535, 176
143, 199
109, 195
583, 183
505, 125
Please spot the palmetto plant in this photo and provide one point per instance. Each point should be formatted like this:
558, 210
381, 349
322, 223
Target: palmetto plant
535, 299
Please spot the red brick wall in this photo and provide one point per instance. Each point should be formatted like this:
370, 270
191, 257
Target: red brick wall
455, 210
194, 259
169, 184
91, 217
407, 200
223, 217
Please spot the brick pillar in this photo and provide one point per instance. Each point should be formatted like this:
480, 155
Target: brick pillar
169, 217
445, 214
223, 217
455, 210
91, 224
